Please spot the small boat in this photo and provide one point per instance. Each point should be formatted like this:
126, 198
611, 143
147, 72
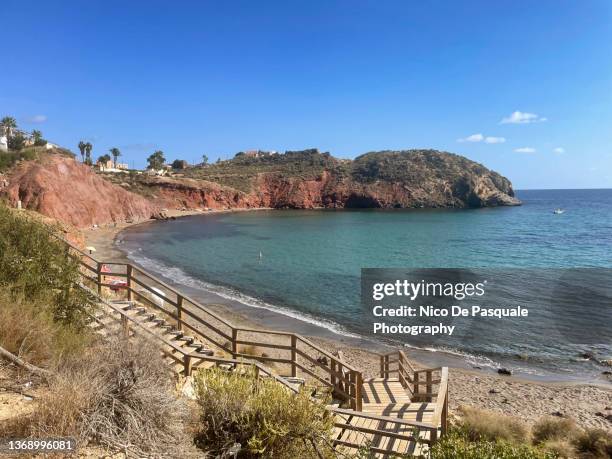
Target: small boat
558, 211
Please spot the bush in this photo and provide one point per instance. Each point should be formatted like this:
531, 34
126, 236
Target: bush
9, 159
27, 329
458, 444
550, 429
37, 266
594, 444
561, 449
486, 425
118, 395
262, 416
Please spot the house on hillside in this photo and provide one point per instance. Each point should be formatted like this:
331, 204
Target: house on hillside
3, 143
110, 166
254, 153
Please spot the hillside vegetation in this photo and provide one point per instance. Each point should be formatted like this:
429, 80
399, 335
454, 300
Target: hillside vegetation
240, 172
397, 179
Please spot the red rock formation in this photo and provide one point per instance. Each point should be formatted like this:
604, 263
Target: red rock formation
66, 190
197, 194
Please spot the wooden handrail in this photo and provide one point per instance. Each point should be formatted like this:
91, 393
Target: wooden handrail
406, 422
441, 411
343, 377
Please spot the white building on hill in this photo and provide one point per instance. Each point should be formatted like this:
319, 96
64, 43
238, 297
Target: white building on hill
110, 166
3, 143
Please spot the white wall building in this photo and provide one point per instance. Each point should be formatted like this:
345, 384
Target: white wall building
3, 143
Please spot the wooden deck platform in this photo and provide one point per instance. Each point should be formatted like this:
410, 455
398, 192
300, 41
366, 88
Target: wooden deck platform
385, 402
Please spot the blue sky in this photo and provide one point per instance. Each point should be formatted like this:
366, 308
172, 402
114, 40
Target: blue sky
346, 77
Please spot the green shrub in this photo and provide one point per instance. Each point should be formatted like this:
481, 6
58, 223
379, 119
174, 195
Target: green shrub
262, 416
36, 266
27, 329
458, 444
486, 425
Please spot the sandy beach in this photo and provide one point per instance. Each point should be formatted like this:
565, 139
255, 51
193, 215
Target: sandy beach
590, 405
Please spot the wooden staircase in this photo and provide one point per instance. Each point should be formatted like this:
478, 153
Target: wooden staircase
175, 344
404, 411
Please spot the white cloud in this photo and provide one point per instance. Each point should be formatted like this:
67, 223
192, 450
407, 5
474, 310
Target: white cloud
559, 150
522, 118
495, 139
525, 150
472, 138
36, 119
481, 138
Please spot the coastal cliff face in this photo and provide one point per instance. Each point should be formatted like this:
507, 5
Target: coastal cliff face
309, 179
66, 190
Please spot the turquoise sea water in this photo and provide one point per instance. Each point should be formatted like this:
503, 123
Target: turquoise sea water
308, 263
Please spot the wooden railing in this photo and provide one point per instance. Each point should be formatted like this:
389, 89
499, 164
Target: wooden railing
129, 326
425, 385
294, 354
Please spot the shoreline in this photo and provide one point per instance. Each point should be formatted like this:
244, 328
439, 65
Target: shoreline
514, 395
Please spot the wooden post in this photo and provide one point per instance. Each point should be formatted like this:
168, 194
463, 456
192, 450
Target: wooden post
382, 366
125, 327
429, 385
358, 384
99, 272
293, 356
129, 282
187, 365
332, 377
179, 312
444, 427
351, 389
234, 344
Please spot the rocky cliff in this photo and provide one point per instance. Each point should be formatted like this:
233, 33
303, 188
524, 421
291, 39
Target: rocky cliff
66, 190
309, 179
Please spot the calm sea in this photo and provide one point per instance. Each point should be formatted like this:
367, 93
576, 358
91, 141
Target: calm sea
307, 263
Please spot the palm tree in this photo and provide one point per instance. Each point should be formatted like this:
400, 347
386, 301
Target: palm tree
88, 148
156, 160
116, 153
8, 123
82, 149
38, 138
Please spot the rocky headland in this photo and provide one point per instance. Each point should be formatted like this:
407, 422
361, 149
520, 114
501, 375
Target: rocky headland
64, 189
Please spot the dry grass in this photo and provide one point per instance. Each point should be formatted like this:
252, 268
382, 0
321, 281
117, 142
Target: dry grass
550, 429
594, 444
28, 330
560, 448
487, 425
120, 396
